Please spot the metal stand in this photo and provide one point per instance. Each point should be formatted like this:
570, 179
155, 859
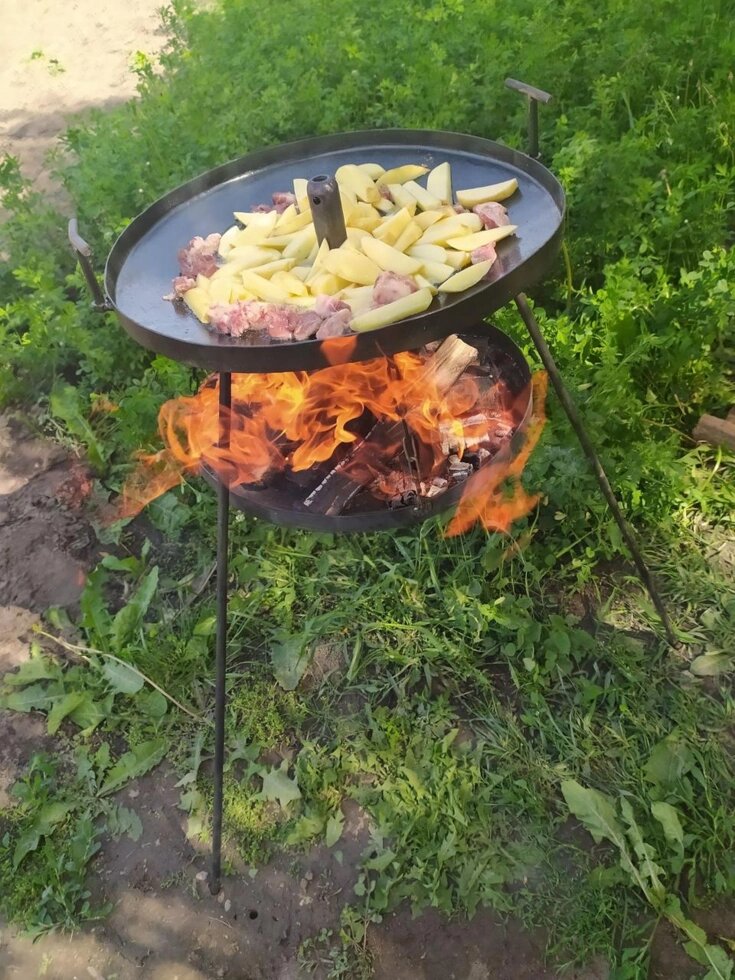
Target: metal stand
220, 693
574, 417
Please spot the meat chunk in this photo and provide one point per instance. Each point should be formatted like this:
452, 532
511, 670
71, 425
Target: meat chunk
325, 306
483, 253
181, 285
233, 319
337, 325
492, 214
307, 324
199, 257
283, 200
390, 286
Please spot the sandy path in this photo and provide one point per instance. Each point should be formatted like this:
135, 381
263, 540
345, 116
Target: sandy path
57, 58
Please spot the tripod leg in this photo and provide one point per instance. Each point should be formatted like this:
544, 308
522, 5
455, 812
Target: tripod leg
223, 510
571, 409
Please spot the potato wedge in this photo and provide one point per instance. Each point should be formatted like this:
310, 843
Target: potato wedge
457, 260
403, 198
425, 284
299, 220
410, 234
453, 227
427, 201
317, 264
437, 272
301, 244
259, 227
364, 216
326, 283
466, 278
427, 218
439, 183
427, 253
390, 228
399, 175
228, 239
388, 258
382, 316
220, 290
269, 268
373, 170
352, 178
198, 301
292, 283
347, 263
246, 257
264, 289
466, 243
473, 196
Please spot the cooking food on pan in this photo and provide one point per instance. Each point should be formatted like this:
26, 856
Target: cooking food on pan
405, 243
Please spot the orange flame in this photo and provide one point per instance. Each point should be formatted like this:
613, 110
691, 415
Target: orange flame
297, 420
485, 499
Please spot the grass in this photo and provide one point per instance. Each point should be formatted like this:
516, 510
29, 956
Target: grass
483, 690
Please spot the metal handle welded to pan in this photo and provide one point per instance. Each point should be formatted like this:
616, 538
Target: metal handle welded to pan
84, 254
534, 95
326, 210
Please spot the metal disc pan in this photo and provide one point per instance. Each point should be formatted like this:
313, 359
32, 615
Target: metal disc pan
143, 260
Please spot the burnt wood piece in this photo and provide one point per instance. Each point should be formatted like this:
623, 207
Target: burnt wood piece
716, 431
340, 485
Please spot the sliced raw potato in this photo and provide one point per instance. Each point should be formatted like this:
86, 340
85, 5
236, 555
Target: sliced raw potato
357, 181
458, 224
306, 302
373, 170
437, 272
228, 239
326, 283
301, 244
466, 278
360, 298
382, 316
473, 196
285, 216
364, 216
427, 201
263, 288
351, 265
410, 234
424, 283
457, 260
386, 206
301, 272
299, 220
269, 268
467, 243
388, 258
246, 257
203, 282
292, 283
399, 175
428, 253
355, 236
390, 228
439, 183
240, 293
317, 264
300, 193
220, 290
259, 228
403, 198
427, 218
198, 300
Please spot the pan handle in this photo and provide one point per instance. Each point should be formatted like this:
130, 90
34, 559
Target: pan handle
84, 254
535, 95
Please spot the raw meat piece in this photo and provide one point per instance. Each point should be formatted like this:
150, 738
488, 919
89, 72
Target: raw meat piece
335, 325
307, 325
492, 214
390, 286
232, 318
459, 209
282, 200
181, 284
200, 256
325, 306
483, 253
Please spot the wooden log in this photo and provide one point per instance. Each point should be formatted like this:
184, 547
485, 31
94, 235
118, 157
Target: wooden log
342, 483
717, 432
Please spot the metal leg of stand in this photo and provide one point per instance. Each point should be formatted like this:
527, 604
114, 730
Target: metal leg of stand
223, 511
574, 417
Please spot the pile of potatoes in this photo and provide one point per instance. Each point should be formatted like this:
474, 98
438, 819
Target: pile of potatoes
416, 232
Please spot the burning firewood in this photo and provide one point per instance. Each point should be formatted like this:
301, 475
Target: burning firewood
343, 482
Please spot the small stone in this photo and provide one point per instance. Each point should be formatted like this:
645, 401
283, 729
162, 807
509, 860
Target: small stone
309, 875
221, 896
228, 905
201, 875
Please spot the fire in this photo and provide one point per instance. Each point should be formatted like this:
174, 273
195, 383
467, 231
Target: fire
295, 421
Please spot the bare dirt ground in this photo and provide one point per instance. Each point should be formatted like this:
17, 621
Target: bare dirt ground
57, 59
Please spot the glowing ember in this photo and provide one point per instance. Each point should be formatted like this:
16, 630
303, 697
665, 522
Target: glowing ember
289, 423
